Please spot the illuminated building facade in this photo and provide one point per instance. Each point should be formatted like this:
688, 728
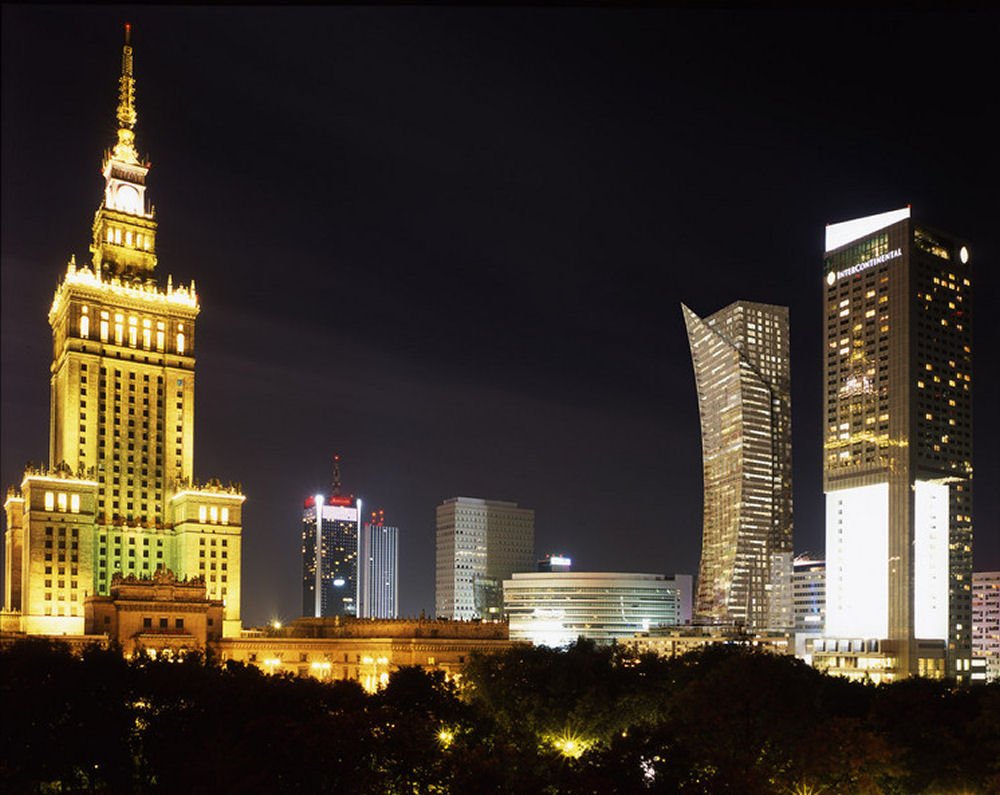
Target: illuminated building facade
365, 651
480, 543
119, 496
378, 569
808, 593
897, 419
986, 620
158, 614
330, 532
556, 608
742, 374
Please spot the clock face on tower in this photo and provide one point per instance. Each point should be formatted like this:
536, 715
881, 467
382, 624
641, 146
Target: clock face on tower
127, 199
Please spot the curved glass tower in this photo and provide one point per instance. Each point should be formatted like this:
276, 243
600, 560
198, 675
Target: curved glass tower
741, 367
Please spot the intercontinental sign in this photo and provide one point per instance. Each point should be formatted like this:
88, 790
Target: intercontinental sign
833, 276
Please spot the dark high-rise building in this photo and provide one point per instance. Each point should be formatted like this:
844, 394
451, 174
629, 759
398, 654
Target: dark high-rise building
742, 373
330, 532
897, 420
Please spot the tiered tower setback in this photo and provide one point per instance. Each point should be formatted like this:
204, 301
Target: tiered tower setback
119, 494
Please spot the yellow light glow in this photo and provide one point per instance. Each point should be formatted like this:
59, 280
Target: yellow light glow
446, 737
570, 744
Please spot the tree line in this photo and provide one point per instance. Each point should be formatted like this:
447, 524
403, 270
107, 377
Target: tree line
586, 719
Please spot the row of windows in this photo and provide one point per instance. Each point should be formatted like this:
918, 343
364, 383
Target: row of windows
70, 503
213, 515
133, 326
118, 237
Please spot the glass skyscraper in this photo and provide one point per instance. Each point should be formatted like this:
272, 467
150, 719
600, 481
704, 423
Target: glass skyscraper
741, 367
897, 421
330, 531
378, 569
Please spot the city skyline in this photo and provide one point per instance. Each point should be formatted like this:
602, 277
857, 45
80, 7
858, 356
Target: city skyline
512, 250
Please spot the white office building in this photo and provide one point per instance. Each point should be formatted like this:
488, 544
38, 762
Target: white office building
378, 569
556, 608
480, 543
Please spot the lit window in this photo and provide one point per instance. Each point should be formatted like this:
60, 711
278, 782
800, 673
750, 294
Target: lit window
85, 327
202, 514
118, 236
225, 516
147, 336
74, 503
119, 329
50, 501
180, 343
159, 340
133, 334
111, 235
214, 514
61, 501
128, 237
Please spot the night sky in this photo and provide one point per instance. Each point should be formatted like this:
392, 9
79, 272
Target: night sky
451, 244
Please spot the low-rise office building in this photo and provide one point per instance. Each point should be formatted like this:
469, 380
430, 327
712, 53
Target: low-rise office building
556, 608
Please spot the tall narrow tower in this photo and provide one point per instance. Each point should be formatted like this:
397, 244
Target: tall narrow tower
741, 368
118, 495
897, 418
378, 569
331, 529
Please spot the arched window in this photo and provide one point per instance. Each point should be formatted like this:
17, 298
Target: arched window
180, 342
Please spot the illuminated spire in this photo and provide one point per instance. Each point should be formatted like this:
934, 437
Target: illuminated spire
125, 148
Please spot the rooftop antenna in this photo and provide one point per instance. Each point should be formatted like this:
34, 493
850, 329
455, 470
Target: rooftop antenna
336, 475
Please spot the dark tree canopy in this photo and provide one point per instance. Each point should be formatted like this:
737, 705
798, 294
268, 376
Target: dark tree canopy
586, 719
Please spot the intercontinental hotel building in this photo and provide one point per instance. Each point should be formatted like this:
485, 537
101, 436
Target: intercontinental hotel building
897, 465
118, 500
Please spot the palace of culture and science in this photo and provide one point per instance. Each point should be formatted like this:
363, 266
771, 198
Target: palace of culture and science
118, 496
